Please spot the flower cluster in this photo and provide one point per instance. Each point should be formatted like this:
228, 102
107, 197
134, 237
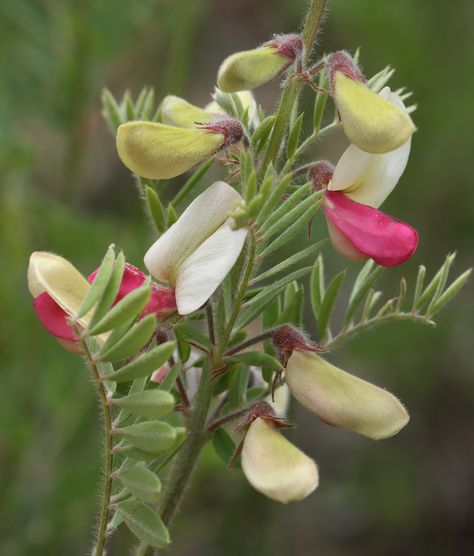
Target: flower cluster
204, 275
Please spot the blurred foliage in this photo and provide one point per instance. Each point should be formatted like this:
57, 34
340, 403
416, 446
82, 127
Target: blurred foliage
62, 188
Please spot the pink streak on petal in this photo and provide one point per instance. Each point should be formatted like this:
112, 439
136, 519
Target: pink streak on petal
52, 317
373, 233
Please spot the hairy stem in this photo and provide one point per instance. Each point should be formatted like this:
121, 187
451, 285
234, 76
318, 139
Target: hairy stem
108, 459
291, 92
350, 332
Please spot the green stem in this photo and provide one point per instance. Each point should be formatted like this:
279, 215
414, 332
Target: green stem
291, 92
108, 459
244, 282
348, 333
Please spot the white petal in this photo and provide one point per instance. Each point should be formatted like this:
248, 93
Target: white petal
202, 218
370, 178
202, 272
342, 399
274, 466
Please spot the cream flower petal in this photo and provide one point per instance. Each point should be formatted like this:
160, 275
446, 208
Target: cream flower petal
343, 400
202, 272
370, 178
274, 466
201, 219
57, 277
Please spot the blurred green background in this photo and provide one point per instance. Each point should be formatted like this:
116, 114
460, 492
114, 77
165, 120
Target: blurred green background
64, 189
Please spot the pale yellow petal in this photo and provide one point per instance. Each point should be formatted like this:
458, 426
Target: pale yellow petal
371, 122
342, 399
274, 466
179, 112
159, 151
370, 178
250, 69
59, 279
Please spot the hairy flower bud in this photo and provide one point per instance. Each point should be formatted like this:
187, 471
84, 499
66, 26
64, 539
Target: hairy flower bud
274, 466
370, 121
252, 68
341, 399
286, 339
160, 151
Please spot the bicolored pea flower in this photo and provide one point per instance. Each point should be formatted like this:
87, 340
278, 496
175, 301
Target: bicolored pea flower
371, 122
177, 111
356, 187
339, 398
195, 254
272, 464
160, 151
252, 68
58, 290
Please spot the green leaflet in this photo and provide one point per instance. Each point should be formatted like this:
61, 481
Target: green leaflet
128, 307
111, 291
145, 364
294, 136
133, 340
141, 482
364, 281
149, 436
327, 305
100, 282
144, 523
152, 404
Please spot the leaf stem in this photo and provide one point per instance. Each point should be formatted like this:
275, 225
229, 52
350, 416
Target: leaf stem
348, 333
251, 341
291, 91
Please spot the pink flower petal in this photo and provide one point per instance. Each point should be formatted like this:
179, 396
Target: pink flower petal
373, 233
52, 317
162, 300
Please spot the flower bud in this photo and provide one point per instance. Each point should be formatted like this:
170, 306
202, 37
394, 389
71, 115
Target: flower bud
252, 68
358, 231
160, 151
274, 466
343, 400
179, 112
370, 121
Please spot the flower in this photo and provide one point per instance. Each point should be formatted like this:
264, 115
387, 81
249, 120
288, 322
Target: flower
59, 289
274, 466
356, 187
160, 151
371, 122
252, 68
195, 254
